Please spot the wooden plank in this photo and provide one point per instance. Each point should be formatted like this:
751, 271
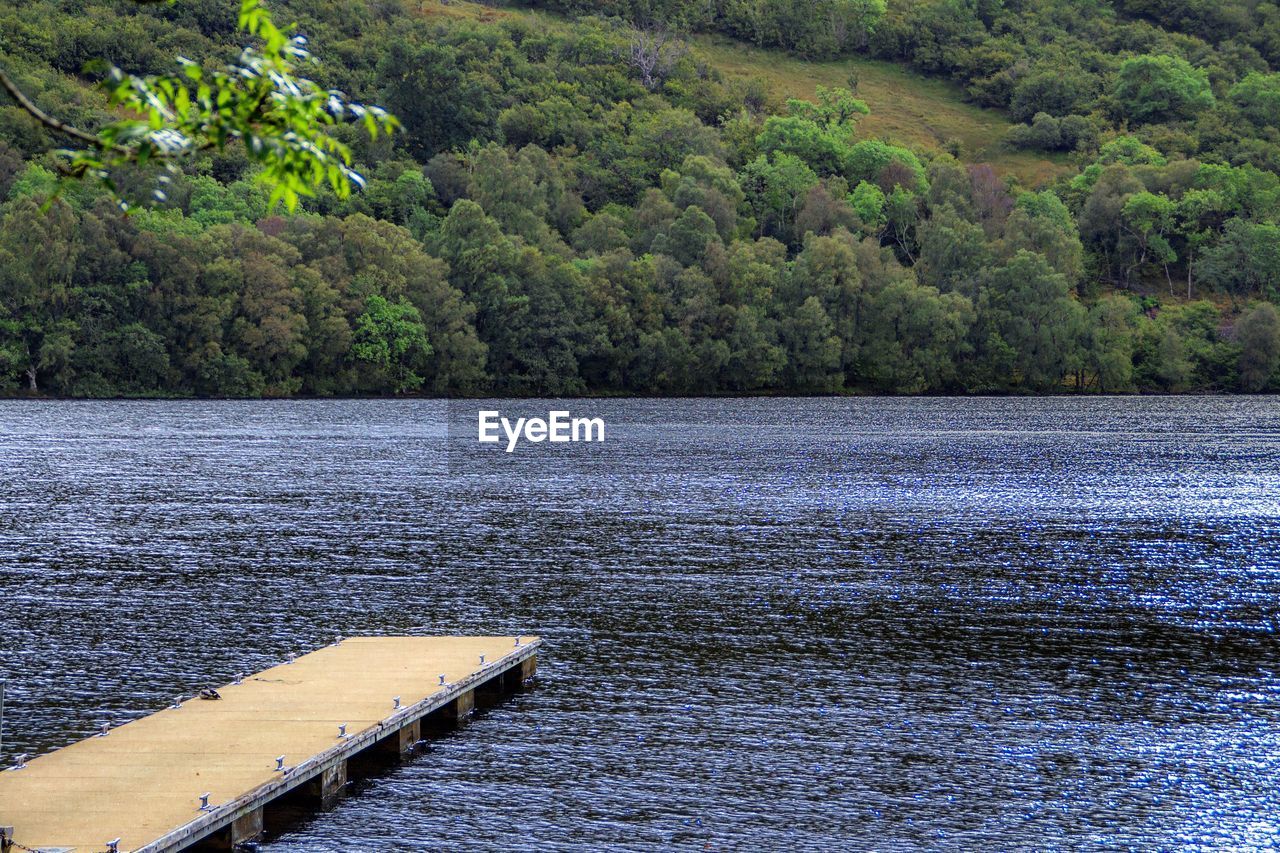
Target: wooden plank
142, 782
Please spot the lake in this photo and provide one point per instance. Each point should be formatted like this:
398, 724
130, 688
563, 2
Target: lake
769, 624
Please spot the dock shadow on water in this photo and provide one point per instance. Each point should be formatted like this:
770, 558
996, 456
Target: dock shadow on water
372, 770
810, 624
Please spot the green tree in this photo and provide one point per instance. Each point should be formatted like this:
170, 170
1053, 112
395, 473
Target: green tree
1246, 262
663, 362
774, 187
687, 238
1258, 334
1211, 358
954, 253
267, 327
1027, 325
1109, 346
1159, 87
888, 166
525, 194
827, 269
902, 214
755, 359
1101, 222
1172, 367
663, 140
391, 342
442, 103
1041, 222
868, 202
913, 338
813, 349
1148, 218
138, 360
1057, 91
851, 22
820, 134
1201, 214
710, 185
1258, 97
38, 259
370, 257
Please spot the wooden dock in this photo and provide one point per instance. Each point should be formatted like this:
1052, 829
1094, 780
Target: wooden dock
280, 739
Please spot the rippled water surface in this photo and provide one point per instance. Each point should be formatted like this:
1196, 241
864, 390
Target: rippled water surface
769, 624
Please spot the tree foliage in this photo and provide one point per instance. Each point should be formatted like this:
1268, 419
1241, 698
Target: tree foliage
557, 218
1160, 88
279, 119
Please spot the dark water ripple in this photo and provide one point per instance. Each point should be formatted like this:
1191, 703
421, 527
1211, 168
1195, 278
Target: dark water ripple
965, 624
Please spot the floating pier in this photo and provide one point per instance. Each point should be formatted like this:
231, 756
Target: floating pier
208, 774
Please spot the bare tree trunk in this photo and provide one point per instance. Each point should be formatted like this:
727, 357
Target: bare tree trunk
31, 379
654, 54
905, 249
839, 30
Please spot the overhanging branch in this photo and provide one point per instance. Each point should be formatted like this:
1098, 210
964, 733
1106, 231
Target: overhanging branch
43, 117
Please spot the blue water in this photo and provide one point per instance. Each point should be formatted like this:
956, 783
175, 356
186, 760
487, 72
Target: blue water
769, 624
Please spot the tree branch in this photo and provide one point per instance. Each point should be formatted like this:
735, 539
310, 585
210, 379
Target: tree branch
29, 107
44, 118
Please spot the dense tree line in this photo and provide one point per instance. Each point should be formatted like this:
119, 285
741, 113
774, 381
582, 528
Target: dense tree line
815, 28
1193, 77
562, 216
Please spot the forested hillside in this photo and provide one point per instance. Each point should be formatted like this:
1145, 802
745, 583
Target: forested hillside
610, 198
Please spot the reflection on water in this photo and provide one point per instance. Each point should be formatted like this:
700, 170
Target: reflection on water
769, 624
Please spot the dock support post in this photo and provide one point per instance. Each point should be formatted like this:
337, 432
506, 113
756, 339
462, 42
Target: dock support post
410, 734
491, 692
515, 677
246, 828
399, 743
326, 789
459, 710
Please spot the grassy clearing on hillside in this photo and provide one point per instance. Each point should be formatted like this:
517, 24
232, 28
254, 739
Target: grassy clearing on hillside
921, 112
464, 10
